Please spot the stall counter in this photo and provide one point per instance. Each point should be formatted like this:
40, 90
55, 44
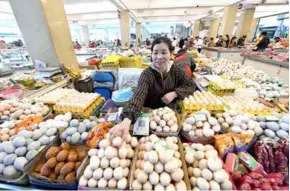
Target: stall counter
271, 67
230, 54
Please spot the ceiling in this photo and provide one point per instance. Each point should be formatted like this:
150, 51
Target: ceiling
153, 11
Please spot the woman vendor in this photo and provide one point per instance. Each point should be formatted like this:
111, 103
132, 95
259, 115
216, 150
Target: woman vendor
160, 85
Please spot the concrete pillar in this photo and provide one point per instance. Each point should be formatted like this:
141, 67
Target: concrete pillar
245, 22
195, 29
45, 30
213, 29
228, 20
252, 30
85, 34
125, 28
138, 33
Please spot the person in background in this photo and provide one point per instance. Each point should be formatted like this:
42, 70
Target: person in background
199, 44
195, 41
241, 41
205, 41
262, 42
227, 41
174, 42
189, 43
210, 42
161, 84
186, 61
220, 41
233, 42
277, 39
147, 42
181, 43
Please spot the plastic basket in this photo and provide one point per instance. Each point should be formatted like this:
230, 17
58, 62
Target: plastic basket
110, 66
189, 108
131, 62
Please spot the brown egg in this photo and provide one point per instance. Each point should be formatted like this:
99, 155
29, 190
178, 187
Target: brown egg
71, 176
81, 155
6, 112
72, 156
51, 162
38, 167
2, 108
62, 155
12, 109
67, 168
52, 176
45, 170
58, 167
60, 177
12, 132
7, 107
5, 137
77, 165
141, 155
52, 152
65, 146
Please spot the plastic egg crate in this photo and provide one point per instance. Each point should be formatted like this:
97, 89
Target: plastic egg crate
165, 122
205, 168
77, 132
201, 100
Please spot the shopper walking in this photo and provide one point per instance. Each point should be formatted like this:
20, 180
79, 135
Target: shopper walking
263, 42
161, 84
186, 61
233, 42
241, 41
227, 41
174, 42
210, 43
199, 45
181, 43
220, 41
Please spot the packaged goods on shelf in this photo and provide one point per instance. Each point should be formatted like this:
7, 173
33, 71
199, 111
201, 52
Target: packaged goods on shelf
159, 165
111, 62
202, 100
109, 165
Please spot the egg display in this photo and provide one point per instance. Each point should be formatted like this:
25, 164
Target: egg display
164, 120
201, 128
205, 168
245, 104
109, 165
21, 148
159, 165
274, 129
77, 132
19, 110
201, 100
53, 96
60, 163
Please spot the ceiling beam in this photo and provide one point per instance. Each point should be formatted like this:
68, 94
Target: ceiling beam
187, 15
95, 12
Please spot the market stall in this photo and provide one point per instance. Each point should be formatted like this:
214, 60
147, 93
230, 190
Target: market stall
270, 66
227, 53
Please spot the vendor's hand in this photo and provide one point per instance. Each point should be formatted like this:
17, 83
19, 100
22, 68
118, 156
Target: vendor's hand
169, 97
121, 129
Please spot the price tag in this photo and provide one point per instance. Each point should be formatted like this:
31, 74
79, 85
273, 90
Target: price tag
199, 117
272, 118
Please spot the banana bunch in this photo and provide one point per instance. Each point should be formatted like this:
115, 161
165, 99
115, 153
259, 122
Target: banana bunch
73, 74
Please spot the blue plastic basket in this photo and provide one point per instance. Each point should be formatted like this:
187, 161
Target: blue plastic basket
104, 92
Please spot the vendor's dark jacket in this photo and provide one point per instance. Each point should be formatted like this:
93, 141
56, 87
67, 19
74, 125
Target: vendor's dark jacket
153, 85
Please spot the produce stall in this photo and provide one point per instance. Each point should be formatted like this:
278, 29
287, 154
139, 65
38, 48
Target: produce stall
231, 54
270, 66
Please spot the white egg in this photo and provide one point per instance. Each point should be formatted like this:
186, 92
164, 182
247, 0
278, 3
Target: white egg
206, 174
159, 167
148, 167
154, 178
165, 179
202, 164
142, 177
177, 175
122, 184
162, 123
98, 174
117, 141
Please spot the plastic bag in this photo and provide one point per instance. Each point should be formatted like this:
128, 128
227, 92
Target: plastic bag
122, 95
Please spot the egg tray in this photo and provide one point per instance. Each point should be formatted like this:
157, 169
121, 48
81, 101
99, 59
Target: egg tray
182, 158
21, 178
110, 66
255, 112
129, 175
189, 108
219, 92
224, 167
57, 184
163, 134
85, 113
